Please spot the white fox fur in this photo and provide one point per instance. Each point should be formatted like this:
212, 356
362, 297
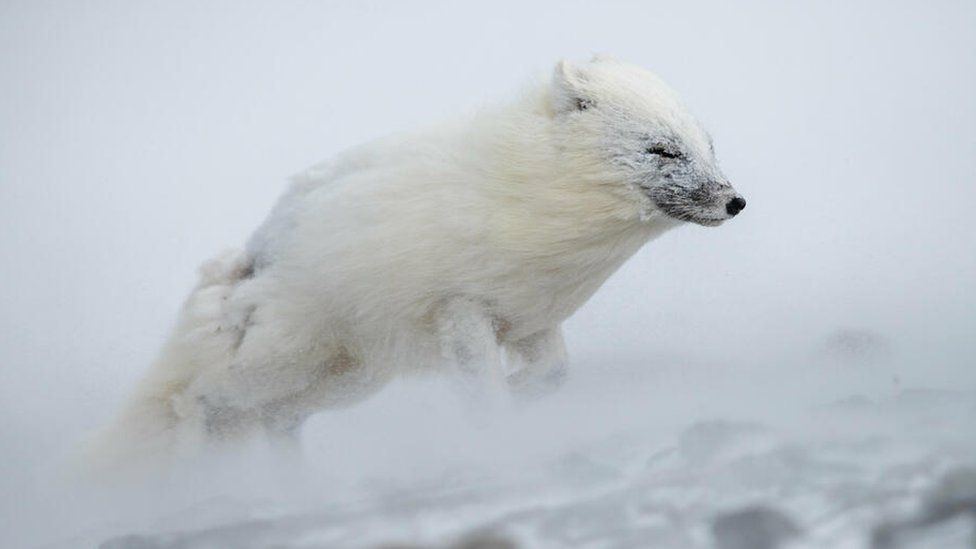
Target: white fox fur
462, 247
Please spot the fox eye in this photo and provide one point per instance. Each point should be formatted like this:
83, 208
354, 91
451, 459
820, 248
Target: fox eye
664, 152
583, 104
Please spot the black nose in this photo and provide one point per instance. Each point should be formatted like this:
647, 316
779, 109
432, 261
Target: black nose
735, 205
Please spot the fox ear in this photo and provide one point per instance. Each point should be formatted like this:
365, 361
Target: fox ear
603, 58
568, 89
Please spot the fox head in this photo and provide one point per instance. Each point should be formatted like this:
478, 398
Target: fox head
628, 130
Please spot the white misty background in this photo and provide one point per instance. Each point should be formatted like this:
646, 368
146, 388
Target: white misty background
138, 139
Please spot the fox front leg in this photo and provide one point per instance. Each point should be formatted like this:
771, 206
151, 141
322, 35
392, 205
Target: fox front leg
467, 335
541, 363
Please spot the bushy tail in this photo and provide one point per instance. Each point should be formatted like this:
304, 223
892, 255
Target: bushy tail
146, 431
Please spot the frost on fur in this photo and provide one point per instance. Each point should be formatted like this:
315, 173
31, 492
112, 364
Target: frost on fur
461, 249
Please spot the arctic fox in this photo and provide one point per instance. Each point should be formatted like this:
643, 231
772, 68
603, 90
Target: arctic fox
461, 248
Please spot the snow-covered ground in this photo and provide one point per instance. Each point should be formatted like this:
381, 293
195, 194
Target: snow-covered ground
839, 476
628, 455
806, 370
